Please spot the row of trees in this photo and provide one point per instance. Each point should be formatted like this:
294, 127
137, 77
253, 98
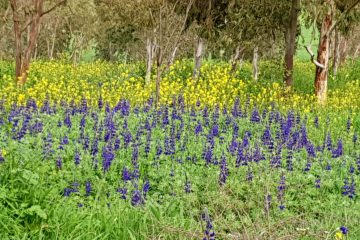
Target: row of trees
162, 30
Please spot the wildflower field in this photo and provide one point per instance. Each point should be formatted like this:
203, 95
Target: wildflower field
86, 154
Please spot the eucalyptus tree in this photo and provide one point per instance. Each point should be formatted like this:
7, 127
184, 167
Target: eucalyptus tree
256, 26
328, 15
27, 16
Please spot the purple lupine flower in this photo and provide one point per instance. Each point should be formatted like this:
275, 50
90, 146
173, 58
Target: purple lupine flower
125, 108
95, 147
86, 143
355, 138
224, 171
59, 163
267, 139
137, 199
198, 128
328, 167
210, 140
146, 188
135, 153
158, 150
147, 144
275, 161
255, 116
46, 106
349, 188
123, 191
316, 122
215, 130
165, 120
241, 158
348, 125
67, 121
293, 142
235, 131
127, 138
67, 192
281, 192
187, 187
267, 201
2, 159
307, 166
209, 233
100, 103
233, 146
289, 162
344, 230
310, 150
216, 114
126, 174
84, 105
167, 146
108, 156
328, 142
257, 155
83, 122
88, 188
298, 118
65, 140
303, 136
77, 158
338, 151
36, 128
318, 182
117, 144
208, 153
249, 175
351, 169
47, 149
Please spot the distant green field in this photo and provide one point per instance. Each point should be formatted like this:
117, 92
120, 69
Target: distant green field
306, 38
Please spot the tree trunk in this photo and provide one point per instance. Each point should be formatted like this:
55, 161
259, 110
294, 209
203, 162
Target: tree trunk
18, 45
321, 75
336, 53
343, 50
236, 59
172, 57
22, 59
54, 40
149, 61
198, 56
34, 33
356, 53
336, 59
255, 63
290, 39
158, 76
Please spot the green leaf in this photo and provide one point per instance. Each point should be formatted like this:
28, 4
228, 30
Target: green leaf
38, 211
155, 211
131, 234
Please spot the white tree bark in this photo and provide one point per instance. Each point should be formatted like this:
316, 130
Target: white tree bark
198, 56
149, 61
256, 63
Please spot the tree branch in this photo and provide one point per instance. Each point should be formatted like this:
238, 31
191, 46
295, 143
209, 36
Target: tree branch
343, 15
27, 24
62, 2
313, 60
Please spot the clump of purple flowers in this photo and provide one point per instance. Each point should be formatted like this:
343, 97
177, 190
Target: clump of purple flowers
224, 171
349, 188
281, 192
209, 233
